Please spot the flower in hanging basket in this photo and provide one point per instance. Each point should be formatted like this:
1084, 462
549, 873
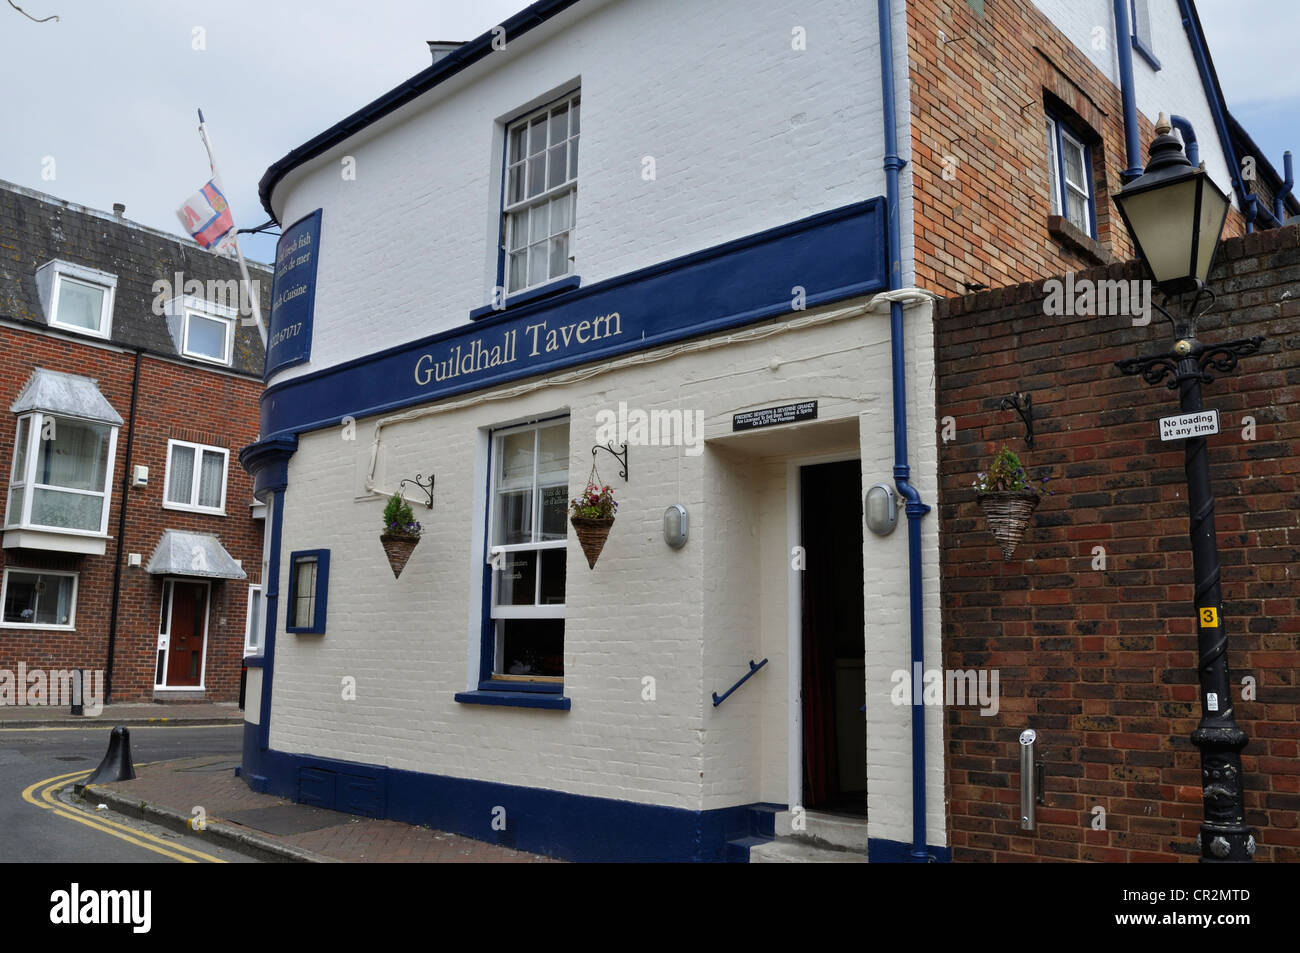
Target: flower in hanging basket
592, 514
401, 533
1008, 496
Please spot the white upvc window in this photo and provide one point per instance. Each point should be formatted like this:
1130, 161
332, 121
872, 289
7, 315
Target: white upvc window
541, 191
1069, 167
60, 475
77, 298
196, 477
208, 336
38, 599
253, 622
528, 535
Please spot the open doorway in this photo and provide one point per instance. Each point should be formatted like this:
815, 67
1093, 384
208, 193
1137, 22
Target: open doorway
833, 679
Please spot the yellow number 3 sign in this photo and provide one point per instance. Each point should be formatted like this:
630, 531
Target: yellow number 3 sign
1210, 617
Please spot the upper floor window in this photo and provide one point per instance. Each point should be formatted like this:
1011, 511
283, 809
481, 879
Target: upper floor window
1141, 17
1070, 172
77, 298
61, 471
196, 477
309, 573
529, 529
208, 336
540, 194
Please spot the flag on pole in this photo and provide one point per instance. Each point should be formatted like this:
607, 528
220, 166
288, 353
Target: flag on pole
206, 216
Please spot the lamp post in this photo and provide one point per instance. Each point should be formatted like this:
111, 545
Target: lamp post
1175, 215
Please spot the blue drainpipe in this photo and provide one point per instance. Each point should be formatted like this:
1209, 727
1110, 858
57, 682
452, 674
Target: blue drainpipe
1279, 200
914, 508
1124, 49
1189, 138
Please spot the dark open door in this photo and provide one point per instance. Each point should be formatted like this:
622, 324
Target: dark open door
834, 727
185, 643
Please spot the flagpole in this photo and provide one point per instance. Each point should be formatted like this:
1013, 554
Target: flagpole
243, 267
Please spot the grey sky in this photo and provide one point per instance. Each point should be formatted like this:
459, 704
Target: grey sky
110, 90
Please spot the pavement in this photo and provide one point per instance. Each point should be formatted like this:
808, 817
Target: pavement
270, 828
155, 713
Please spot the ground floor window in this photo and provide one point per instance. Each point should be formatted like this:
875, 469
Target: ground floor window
253, 622
39, 600
528, 534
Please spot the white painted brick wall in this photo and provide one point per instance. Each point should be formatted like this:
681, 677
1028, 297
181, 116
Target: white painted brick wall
692, 618
746, 132
1174, 89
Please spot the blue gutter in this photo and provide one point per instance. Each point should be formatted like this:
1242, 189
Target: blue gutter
902, 471
1214, 95
1124, 49
1189, 138
1279, 200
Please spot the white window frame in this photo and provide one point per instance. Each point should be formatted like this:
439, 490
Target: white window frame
61, 271
194, 507
1059, 174
28, 482
191, 312
511, 211
4, 594
252, 638
500, 613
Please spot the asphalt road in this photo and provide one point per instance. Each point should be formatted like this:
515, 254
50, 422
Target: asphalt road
40, 834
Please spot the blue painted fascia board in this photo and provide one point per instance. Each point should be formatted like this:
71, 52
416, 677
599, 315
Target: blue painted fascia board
834, 255
1214, 94
465, 56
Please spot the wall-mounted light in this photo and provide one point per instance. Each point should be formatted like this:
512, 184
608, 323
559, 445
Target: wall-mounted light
676, 526
881, 509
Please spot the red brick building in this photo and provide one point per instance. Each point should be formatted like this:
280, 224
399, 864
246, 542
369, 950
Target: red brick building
131, 541
1090, 623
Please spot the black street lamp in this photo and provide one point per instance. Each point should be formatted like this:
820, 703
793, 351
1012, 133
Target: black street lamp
1175, 215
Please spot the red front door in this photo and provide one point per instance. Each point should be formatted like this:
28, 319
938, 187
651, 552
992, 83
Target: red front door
187, 629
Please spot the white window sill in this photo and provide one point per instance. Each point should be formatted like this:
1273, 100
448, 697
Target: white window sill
78, 329
36, 625
54, 540
206, 359
194, 509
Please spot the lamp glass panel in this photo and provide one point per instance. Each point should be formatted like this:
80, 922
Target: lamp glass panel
1214, 209
1161, 220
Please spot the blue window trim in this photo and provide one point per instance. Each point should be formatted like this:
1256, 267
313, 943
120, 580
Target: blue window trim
492, 691
515, 700
1144, 50
1087, 167
554, 287
322, 591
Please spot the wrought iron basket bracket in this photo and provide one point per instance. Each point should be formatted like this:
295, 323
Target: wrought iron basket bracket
620, 457
1023, 404
428, 489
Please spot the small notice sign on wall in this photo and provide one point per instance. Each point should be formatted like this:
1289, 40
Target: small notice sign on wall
770, 416
1183, 426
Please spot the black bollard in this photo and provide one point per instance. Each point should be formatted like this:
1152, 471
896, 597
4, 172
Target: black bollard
78, 692
116, 765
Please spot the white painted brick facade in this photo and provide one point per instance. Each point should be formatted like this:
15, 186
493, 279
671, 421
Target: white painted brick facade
691, 618
746, 132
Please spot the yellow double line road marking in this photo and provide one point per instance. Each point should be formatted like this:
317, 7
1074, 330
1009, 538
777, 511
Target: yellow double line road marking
130, 834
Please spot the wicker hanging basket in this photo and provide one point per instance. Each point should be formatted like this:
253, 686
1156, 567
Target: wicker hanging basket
398, 547
592, 534
1008, 516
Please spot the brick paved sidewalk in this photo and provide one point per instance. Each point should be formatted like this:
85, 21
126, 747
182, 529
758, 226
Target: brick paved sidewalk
189, 713
170, 790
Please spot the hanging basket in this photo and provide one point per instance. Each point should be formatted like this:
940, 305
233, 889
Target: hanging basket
1008, 516
399, 547
592, 534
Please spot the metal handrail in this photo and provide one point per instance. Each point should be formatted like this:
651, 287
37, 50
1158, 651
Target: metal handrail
718, 700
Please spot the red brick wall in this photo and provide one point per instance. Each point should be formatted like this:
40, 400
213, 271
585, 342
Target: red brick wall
1103, 663
979, 99
175, 400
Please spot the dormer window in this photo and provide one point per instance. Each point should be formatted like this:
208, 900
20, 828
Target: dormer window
201, 329
208, 337
77, 298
